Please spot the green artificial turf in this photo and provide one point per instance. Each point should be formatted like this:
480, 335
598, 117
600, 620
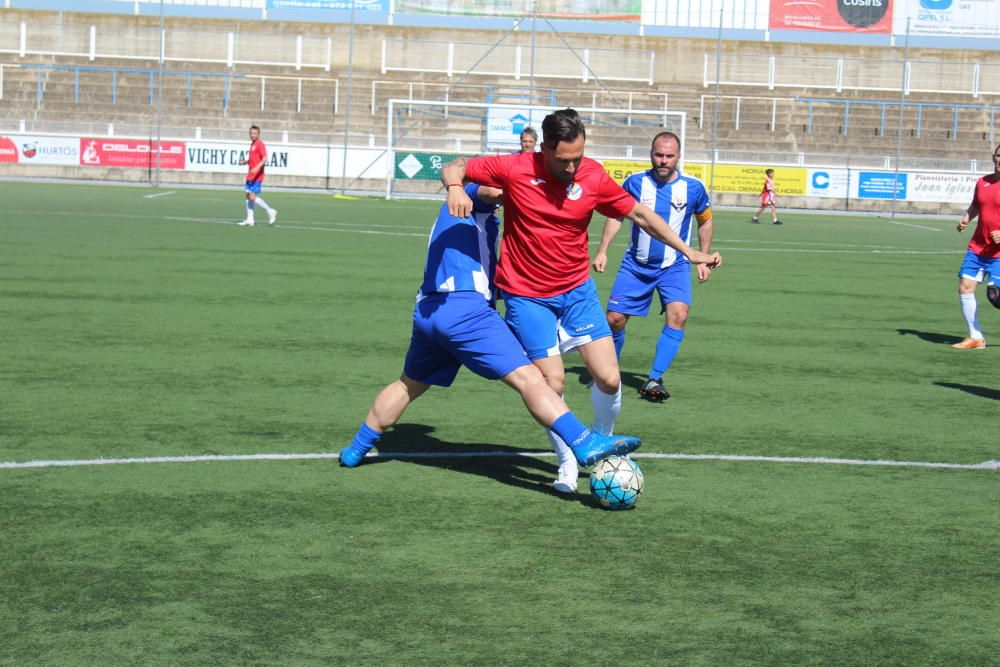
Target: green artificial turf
140, 327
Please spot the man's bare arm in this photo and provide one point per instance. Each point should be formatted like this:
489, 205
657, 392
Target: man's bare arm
651, 223
611, 228
453, 176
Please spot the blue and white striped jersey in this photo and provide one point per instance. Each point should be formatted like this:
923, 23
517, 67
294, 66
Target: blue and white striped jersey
462, 252
677, 202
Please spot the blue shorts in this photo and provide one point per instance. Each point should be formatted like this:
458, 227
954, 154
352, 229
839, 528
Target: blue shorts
539, 322
460, 329
633, 290
253, 186
975, 266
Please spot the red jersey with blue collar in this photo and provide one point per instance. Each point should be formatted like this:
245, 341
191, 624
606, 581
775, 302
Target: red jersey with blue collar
545, 247
987, 200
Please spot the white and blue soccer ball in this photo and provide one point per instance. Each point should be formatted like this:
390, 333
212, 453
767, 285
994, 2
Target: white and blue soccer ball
616, 483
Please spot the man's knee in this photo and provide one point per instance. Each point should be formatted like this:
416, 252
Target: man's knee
617, 321
609, 381
677, 315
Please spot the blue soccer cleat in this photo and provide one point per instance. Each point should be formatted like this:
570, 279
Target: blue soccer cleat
596, 447
352, 455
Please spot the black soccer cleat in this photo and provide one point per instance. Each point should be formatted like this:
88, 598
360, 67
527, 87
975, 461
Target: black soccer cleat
653, 391
778, 222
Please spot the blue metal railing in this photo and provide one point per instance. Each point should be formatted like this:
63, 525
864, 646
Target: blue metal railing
151, 73
885, 104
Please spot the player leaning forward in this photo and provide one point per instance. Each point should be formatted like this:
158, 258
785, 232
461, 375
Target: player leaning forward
549, 198
455, 324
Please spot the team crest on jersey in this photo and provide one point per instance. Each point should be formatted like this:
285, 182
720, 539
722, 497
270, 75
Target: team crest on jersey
678, 205
574, 191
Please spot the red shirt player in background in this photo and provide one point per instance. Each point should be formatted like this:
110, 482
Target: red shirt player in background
767, 199
983, 256
544, 269
256, 159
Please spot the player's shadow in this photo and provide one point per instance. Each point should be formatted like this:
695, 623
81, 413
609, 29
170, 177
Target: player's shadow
984, 392
930, 336
629, 379
414, 443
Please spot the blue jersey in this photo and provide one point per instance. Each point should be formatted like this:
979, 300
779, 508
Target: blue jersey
677, 202
462, 252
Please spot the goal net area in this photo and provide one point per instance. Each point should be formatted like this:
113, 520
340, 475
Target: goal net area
423, 136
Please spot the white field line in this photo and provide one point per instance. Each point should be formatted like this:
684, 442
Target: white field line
985, 465
910, 224
160, 194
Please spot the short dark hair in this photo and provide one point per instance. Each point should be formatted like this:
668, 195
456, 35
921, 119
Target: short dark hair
562, 125
769, 171
530, 131
665, 135
254, 127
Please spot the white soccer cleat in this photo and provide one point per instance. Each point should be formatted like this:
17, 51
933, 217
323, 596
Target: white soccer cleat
272, 216
245, 223
566, 482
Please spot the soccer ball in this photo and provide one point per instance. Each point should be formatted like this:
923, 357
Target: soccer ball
993, 294
616, 483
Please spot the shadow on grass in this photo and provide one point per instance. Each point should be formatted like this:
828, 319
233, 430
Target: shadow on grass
929, 336
633, 380
414, 443
984, 392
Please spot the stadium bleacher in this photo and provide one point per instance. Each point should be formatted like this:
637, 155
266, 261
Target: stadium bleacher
790, 101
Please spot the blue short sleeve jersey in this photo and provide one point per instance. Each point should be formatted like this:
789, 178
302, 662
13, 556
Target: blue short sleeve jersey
677, 202
462, 252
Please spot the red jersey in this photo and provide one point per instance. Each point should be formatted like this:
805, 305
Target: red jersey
258, 153
545, 251
767, 187
987, 199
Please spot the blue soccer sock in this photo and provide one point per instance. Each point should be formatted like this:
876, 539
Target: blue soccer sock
570, 429
619, 339
365, 439
666, 349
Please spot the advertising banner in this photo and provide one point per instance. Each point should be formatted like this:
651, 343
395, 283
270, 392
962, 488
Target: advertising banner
879, 185
133, 153
619, 170
421, 166
359, 5
832, 183
595, 10
33, 149
8, 150
972, 18
749, 179
282, 159
735, 178
504, 126
873, 16
950, 188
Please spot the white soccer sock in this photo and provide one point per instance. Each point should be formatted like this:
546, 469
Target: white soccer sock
969, 311
606, 409
562, 450
249, 210
263, 204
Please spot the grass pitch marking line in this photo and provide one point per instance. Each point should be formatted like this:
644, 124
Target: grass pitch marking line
910, 224
160, 194
985, 465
